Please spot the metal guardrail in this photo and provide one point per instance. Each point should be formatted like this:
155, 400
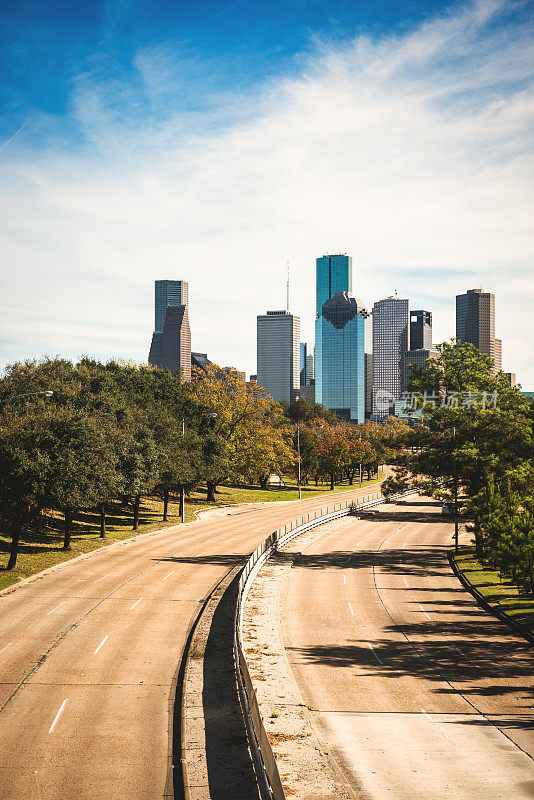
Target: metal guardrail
263, 756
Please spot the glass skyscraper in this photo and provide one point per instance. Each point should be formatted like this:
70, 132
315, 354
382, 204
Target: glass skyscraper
278, 343
333, 274
390, 342
340, 356
169, 293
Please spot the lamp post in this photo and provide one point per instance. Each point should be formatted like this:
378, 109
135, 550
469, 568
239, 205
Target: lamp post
455, 480
297, 398
360, 435
46, 393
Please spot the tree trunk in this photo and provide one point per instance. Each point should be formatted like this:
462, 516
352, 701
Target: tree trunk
16, 531
316, 479
263, 481
69, 516
137, 503
102, 520
331, 481
165, 505
212, 485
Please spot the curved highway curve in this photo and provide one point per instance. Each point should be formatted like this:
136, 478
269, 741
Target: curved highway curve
89, 654
416, 692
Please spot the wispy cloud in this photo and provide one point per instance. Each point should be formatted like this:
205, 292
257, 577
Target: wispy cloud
411, 152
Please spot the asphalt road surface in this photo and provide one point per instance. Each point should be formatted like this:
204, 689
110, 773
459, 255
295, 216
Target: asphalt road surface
89, 655
416, 691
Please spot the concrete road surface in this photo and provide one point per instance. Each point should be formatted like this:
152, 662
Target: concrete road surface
89, 655
418, 693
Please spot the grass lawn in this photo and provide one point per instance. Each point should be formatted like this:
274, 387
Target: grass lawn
502, 594
42, 549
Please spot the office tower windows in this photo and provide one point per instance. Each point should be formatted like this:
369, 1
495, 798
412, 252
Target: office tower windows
333, 274
306, 364
278, 343
420, 330
475, 323
368, 384
339, 357
390, 342
418, 358
171, 347
168, 293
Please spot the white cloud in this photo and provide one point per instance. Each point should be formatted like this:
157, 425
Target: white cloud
411, 153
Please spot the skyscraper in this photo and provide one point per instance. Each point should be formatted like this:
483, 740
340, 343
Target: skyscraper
278, 343
475, 323
340, 357
168, 293
391, 337
171, 347
303, 362
333, 274
420, 330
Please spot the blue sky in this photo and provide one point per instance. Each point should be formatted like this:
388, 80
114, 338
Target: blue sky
210, 142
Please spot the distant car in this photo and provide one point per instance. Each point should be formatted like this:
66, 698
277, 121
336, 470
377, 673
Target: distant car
447, 509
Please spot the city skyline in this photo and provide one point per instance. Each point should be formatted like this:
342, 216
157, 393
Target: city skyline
398, 136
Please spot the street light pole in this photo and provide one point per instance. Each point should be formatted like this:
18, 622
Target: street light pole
182, 503
298, 448
47, 393
455, 494
360, 435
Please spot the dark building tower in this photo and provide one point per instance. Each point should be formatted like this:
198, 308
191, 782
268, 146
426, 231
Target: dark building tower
420, 330
475, 323
171, 348
391, 335
168, 293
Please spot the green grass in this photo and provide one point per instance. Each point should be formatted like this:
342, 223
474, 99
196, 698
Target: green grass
502, 594
41, 549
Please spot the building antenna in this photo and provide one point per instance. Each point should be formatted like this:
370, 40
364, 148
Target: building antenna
287, 300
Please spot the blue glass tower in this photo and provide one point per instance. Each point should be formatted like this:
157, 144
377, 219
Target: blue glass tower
340, 357
333, 274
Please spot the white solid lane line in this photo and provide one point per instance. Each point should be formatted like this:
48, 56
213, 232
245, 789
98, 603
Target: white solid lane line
405, 581
104, 640
435, 723
56, 608
373, 652
62, 706
169, 575
5, 648
424, 612
229, 540
136, 602
103, 576
344, 578
351, 611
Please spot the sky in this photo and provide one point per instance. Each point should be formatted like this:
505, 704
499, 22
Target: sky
212, 142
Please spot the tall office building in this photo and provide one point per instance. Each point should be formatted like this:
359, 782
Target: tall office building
171, 347
391, 337
278, 343
333, 274
168, 293
340, 357
368, 360
475, 323
418, 358
306, 364
420, 330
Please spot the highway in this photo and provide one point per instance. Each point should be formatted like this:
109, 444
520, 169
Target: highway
89, 656
415, 691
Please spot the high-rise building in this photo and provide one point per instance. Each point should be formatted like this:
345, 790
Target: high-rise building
368, 384
339, 357
420, 330
278, 343
391, 336
475, 323
418, 358
168, 293
171, 347
333, 274
306, 364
